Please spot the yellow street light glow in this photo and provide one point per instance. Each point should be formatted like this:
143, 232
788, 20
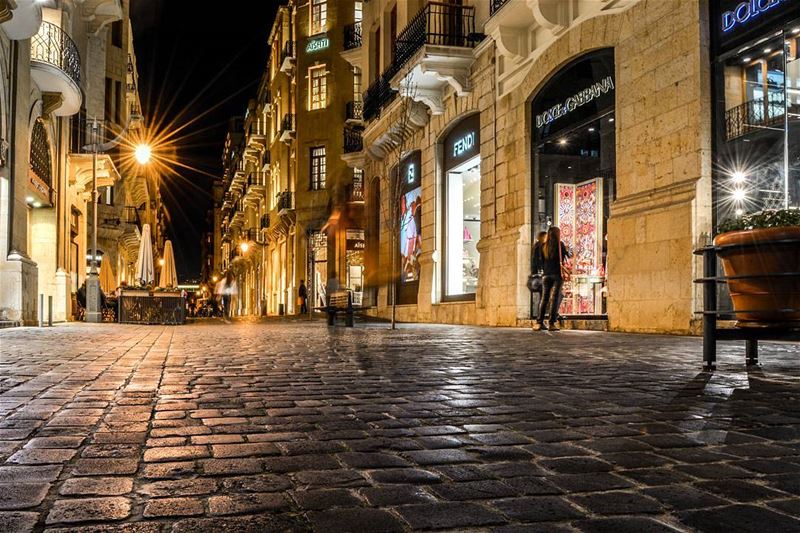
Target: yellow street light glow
244, 247
214, 279
142, 154
738, 177
161, 261
739, 195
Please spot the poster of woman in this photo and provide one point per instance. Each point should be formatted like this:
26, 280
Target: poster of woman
410, 239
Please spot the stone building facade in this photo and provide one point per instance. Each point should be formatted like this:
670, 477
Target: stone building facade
64, 64
652, 203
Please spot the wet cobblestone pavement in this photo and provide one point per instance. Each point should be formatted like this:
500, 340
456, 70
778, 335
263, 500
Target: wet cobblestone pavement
290, 426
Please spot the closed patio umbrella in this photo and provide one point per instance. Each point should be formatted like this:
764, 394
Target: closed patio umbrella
108, 282
144, 262
169, 277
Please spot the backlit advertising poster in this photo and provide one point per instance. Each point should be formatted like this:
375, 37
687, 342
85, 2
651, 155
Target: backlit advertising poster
410, 239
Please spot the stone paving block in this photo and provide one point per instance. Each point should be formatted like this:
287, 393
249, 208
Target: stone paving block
589, 482
740, 491
55, 442
18, 522
329, 478
617, 502
89, 510
104, 467
22, 495
236, 524
396, 495
168, 507
740, 518
178, 487
448, 515
376, 520
439, 457
29, 474
247, 503
41, 456
576, 465
325, 499
473, 490
634, 524
244, 449
221, 467
299, 463
405, 475
172, 453
373, 460
538, 509
168, 470
256, 483
96, 486
111, 451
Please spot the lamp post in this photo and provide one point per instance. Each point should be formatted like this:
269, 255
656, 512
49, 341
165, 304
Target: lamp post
93, 311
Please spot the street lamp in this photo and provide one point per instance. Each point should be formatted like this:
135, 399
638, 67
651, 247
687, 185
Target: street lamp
93, 311
142, 154
244, 247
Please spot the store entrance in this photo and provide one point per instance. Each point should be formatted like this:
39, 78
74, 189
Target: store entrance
574, 174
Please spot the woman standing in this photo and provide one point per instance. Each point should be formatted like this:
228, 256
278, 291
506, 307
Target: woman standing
554, 253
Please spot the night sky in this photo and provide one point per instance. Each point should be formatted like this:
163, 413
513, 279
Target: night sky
193, 55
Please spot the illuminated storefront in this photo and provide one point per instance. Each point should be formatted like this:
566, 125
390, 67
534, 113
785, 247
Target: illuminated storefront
574, 172
462, 210
756, 80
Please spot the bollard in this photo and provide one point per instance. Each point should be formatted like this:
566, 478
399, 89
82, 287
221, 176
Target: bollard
41, 310
50, 311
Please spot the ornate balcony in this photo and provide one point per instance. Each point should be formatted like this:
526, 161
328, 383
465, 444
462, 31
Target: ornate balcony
352, 36
265, 160
434, 50
285, 202
287, 57
353, 147
377, 96
237, 220
287, 133
256, 185
56, 68
354, 112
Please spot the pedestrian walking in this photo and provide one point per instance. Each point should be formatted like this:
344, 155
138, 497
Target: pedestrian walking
302, 295
555, 272
229, 290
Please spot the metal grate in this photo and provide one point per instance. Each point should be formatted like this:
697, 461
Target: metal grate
40, 153
755, 115
352, 36
353, 141
495, 5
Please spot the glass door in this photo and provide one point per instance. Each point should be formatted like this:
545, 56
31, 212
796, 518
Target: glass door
791, 186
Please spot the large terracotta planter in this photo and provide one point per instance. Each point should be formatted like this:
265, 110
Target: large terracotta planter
765, 291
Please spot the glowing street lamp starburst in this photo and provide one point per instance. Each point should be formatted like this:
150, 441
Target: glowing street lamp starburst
143, 153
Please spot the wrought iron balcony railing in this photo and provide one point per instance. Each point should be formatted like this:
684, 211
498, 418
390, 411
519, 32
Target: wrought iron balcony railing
352, 36
132, 216
285, 201
495, 5
353, 141
264, 222
354, 110
377, 96
53, 46
755, 115
256, 179
436, 24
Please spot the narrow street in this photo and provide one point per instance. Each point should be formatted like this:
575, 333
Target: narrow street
291, 426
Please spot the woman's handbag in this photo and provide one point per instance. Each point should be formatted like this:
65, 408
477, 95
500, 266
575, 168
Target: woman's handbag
566, 270
535, 283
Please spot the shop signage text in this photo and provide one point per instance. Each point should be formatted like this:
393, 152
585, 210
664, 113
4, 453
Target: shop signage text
411, 173
593, 92
315, 45
464, 144
746, 11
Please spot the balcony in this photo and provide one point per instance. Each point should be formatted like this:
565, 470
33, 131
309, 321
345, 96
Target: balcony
287, 57
56, 68
257, 134
285, 202
495, 5
132, 217
755, 115
352, 36
433, 51
264, 222
352, 141
354, 112
237, 219
287, 133
356, 189
377, 96
256, 185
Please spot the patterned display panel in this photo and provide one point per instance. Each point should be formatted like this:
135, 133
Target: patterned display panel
579, 215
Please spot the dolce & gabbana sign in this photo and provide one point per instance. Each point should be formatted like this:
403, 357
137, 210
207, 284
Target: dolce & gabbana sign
745, 12
585, 96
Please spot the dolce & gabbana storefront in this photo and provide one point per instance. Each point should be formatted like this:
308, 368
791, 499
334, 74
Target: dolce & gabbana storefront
573, 147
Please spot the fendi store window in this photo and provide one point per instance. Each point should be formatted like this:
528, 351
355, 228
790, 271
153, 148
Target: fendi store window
574, 172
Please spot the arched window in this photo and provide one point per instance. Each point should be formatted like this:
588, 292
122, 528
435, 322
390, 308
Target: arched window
40, 153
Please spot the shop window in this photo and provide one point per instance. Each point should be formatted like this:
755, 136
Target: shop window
318, 267
318, 168
355, 245
359, 11
317, 87
319, 16
574, 172
40, 153
462, 209
358, 88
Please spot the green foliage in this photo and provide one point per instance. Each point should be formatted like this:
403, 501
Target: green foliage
765, 219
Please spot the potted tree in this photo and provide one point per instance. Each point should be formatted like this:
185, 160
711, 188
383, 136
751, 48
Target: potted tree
760, 256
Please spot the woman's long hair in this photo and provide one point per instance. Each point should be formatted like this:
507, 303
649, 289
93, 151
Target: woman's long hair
552, 242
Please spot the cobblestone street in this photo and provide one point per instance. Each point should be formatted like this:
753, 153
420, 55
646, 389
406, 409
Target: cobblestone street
290, 426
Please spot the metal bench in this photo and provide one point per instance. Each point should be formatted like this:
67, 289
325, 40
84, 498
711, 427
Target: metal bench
339, 302
711, 314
